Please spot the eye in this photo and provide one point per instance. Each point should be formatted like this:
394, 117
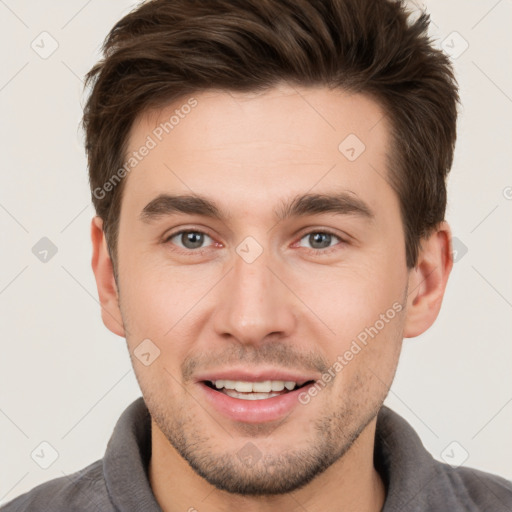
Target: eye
194, 241
189, 239
318, 240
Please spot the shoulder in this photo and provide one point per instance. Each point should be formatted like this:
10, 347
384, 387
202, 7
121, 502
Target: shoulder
475, 489
80, 491
417, 482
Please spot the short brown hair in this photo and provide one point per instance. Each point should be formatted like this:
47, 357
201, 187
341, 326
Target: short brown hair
167, 49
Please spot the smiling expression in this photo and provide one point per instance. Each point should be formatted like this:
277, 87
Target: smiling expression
254, 248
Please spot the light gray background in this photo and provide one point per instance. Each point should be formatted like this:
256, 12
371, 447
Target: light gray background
65, 379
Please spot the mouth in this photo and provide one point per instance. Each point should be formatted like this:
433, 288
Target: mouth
249, 390
253, 401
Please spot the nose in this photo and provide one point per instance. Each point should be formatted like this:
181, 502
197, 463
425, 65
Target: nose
255, 302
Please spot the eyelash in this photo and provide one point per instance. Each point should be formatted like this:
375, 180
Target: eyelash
316, 252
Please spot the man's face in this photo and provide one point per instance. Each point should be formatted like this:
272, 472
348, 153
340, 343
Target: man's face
261, 292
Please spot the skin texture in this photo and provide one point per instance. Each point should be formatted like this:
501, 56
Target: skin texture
295, 307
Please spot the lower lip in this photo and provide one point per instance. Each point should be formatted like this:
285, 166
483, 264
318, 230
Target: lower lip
253, 411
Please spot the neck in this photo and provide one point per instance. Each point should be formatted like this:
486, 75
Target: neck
349, 485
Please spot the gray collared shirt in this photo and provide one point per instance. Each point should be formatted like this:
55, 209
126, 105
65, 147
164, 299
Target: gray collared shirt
415, 481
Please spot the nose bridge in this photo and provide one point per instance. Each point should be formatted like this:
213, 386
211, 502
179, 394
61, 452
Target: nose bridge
254, 303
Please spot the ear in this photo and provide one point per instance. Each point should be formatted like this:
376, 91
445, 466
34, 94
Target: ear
427, 281
105, 281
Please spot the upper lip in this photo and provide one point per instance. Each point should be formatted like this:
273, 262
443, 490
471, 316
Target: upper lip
256, 375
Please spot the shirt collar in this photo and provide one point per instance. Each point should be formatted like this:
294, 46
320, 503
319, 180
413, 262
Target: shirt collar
403, 463
126, 461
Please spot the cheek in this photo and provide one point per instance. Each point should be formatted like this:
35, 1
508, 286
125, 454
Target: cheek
163, 303
359, 310
348, 299
152, 289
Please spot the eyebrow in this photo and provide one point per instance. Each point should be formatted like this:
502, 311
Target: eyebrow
342, 203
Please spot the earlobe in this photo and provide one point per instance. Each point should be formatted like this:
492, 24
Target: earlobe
427, 281
105, 281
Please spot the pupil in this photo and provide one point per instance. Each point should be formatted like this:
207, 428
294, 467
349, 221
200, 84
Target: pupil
323, 239
192, 240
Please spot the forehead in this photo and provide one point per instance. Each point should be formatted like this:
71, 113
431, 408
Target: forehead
249, 149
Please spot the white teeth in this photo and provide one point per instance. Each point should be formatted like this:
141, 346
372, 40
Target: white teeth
262, 387
229, 384
249, 396
243, 387
265, 386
